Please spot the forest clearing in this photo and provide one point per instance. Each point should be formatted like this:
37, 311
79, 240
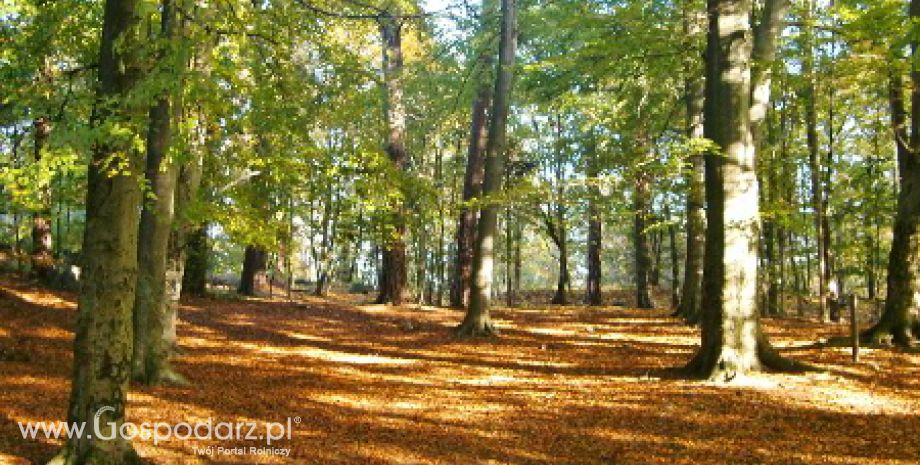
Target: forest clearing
460, 232
381, 385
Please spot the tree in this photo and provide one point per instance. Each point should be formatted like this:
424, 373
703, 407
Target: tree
896, 321
472, 179
42, 262
156, 223
733, 342
394, 273
102, 344
477, 321
593, 295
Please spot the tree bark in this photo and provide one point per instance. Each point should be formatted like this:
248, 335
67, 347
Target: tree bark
896, 321
814, 164
477, 321
675, 261
557, 224
394, 274
195, 276
156, 221
694, 95
42, 259
253, 277
593, 295
643, 254
103, 339
732, 342
472, 180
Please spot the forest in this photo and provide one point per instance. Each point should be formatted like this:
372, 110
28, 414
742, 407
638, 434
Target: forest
390, 232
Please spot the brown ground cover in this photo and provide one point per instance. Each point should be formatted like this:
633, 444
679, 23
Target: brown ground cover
382, 385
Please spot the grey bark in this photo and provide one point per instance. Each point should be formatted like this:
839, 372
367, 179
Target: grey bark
477, 321
103, 339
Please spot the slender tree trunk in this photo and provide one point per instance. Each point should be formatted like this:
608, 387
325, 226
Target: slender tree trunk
42, 260
472, 180
675, 261
156, 223
518, 237
394, 270
477, 321
509, 257
643, 255
103, 339
158, 367
694, 95
593, 294
657, 242
814, 164
732, 340
559, 226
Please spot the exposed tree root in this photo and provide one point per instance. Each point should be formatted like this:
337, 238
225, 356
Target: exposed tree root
885, 333
476, 328
722, 365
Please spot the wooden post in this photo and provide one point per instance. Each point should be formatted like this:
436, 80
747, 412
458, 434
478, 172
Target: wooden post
854, 327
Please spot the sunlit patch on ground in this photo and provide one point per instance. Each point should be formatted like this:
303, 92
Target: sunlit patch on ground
374, 384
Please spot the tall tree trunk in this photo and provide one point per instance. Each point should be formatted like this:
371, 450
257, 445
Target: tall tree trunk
156, 222
814, 163
509, 257
654, 277
394, 273
643, 254
897, 321
675, 261
732, 340
694, 95
518, 237
477, 321
559, 226
763, 56
42, 260
593, 294
161, 348
472, 180
103, 339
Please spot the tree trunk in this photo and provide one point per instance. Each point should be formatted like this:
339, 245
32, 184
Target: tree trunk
42, 259
593, 294
643, 254
694, 90
477, 321
103, 339
654, 277
896, 321
195, 277
472, 180
253, 277
732, 341
814, 164
675, 261
394, 274
161, 348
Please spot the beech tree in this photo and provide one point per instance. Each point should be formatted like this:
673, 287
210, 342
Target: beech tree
478, 321
733, 342
103, 340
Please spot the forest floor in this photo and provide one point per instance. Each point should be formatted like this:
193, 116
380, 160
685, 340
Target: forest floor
367, 384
